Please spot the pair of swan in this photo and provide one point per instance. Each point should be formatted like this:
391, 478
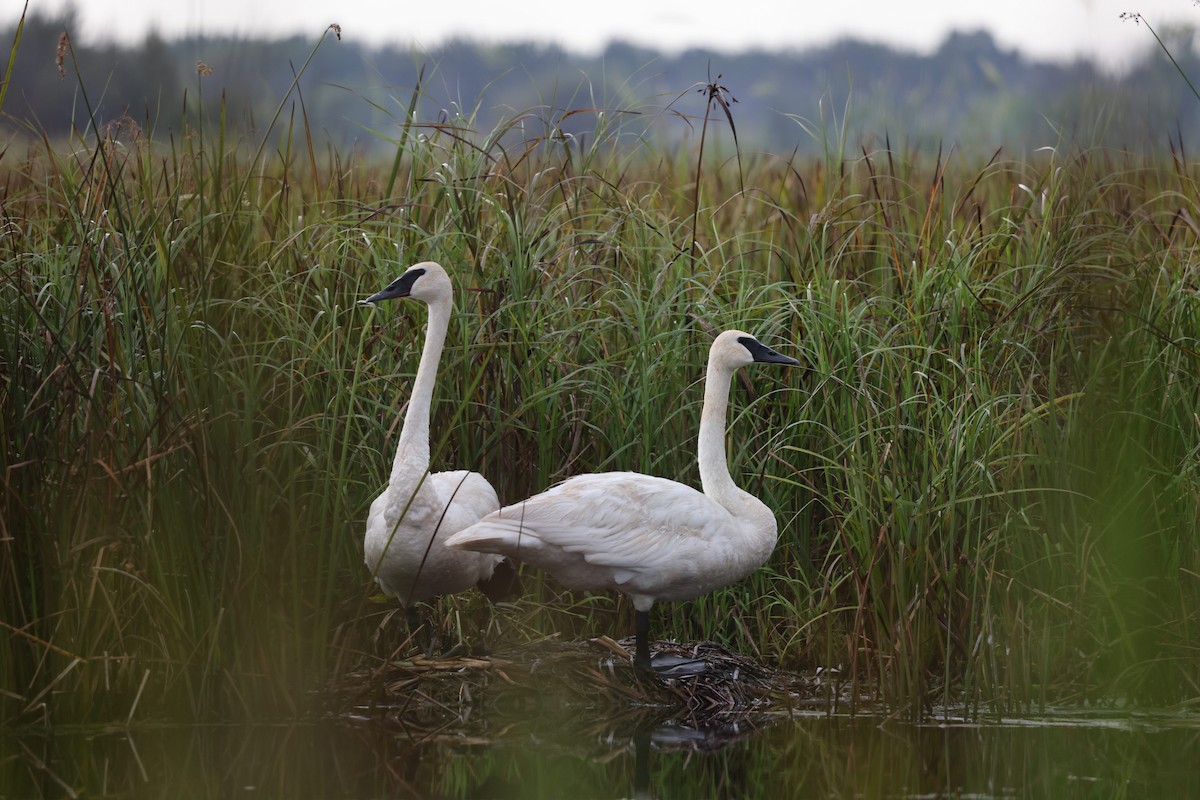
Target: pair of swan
647, 537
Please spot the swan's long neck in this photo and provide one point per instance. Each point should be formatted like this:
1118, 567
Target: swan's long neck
714, 469
412, 451
754, 519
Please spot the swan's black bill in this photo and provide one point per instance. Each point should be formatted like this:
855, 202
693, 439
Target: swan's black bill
401, 287
763, 354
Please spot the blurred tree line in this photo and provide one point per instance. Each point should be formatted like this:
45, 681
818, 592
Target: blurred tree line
969, 94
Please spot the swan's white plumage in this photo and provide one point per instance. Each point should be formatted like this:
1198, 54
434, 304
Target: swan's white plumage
409, 522
648, 537
400, 571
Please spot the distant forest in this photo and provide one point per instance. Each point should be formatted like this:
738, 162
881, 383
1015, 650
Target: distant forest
969, 94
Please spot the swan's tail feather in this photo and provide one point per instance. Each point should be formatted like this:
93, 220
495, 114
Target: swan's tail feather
494, 536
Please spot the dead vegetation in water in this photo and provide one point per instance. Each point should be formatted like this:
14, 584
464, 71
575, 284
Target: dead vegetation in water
708, 697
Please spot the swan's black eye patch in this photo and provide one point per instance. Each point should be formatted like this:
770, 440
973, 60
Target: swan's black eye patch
401, 287
763, 354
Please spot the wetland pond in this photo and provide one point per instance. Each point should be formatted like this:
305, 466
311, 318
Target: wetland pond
569, 721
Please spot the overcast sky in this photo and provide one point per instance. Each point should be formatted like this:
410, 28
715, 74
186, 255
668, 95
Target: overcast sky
1053, 29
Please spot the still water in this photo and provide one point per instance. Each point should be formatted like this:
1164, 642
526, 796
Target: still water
808, 755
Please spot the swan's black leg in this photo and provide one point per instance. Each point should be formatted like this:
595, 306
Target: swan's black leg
413, 619
428, 642
641, 632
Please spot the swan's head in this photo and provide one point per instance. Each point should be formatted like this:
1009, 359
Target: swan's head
733, 349
425, 281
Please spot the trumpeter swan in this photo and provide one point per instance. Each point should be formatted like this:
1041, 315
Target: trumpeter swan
410, 521
649, 538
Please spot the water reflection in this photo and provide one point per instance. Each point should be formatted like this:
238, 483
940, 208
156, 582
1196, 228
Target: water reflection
811, 755
570, 721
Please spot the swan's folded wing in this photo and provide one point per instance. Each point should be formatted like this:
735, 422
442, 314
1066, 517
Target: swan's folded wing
624, 521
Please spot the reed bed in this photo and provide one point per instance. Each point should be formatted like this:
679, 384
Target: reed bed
986, 479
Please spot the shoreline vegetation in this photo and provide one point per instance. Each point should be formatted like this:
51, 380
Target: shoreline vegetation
969, 89
987, 482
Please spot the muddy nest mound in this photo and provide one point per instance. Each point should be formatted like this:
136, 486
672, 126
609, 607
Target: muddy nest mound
697, 688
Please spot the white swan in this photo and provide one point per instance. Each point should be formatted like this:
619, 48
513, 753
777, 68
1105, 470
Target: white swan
410, 521
649, 538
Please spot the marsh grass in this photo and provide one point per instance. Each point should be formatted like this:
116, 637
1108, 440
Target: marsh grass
986, 479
